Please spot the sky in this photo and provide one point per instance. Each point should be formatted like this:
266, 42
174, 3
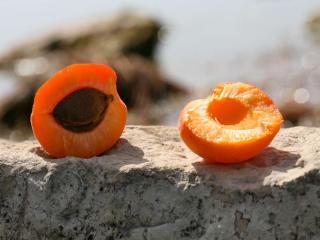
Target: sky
199, 33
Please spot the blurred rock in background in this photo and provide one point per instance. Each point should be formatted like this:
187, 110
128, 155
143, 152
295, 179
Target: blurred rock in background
313, 27
289, 72
127, 43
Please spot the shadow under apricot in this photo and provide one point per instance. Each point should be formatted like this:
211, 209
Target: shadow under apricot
275, 158
254, 170
39, 151
123, 149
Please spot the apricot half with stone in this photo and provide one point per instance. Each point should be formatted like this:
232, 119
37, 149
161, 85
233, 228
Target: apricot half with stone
232, 125
78, 112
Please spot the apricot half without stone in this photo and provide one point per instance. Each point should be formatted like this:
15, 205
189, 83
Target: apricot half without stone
232, 125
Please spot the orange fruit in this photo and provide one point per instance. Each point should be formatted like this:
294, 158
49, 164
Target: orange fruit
232, 125
78, 112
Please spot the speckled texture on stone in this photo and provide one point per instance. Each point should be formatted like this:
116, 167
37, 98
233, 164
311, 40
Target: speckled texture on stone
149, 186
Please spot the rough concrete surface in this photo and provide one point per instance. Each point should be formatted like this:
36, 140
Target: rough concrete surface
149, 186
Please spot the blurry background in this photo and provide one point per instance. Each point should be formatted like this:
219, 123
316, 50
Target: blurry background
165, 53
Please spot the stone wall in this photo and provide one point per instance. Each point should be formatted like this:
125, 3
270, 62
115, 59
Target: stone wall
149, 186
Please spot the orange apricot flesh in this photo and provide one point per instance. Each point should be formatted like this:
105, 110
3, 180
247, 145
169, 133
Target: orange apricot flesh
232, 125
78, 112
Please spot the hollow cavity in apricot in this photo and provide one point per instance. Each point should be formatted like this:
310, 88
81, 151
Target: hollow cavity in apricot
232, 125
78, 112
